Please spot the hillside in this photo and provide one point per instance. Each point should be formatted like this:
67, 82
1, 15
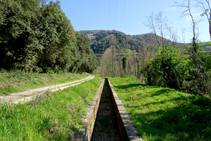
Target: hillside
100, 40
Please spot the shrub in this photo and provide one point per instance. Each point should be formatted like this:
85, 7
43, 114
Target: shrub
168, 68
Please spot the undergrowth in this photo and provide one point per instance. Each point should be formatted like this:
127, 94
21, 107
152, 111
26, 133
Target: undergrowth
164, 114
11, 82
54, 116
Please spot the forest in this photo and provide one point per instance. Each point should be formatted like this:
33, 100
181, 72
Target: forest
100, 40
38, 37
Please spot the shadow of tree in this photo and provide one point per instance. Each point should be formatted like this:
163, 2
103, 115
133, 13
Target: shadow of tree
188, 119
187, 122
126, 86
162, 91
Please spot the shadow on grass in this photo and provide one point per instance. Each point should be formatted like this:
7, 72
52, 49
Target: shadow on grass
188, 119
129, 86
159, 102
162, 91
187, 122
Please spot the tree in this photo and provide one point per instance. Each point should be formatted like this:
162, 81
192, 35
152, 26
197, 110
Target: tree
206, 8
19, 32
38, 36
57, 37
124, 64
84, 58
160, 26
168, 68
187, 11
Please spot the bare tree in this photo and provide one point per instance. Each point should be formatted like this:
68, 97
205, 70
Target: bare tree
187, 12
183, 35
105, 68
151, 23
161, 26
205, 6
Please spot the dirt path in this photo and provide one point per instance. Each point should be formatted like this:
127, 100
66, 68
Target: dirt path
26, 96
106, 127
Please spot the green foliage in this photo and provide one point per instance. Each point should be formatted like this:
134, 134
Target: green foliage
199, 80
59, 39
206, 59
188, 72
164, 114
168, 68
19, 32
34, 36
85, 59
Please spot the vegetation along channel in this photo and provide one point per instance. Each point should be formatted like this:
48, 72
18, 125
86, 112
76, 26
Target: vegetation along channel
106, 127
51, 72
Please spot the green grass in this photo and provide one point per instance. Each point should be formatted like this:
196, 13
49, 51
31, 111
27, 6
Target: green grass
54, 116
11, 82
163, 113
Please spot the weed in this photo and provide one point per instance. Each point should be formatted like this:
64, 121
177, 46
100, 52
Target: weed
11, 82
54, 116
163, 113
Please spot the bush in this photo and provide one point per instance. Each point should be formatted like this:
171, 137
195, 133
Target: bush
168, 68
199, 80
171, 68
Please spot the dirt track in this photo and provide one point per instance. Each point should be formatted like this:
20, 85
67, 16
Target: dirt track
26, 96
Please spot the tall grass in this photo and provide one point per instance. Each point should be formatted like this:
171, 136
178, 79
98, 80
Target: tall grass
54, 116
19, 81
165, 114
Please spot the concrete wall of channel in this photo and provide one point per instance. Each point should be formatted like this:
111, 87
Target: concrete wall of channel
85, 133
126, 128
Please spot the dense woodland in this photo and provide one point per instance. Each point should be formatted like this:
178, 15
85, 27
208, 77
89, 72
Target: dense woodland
100, 40
36, 36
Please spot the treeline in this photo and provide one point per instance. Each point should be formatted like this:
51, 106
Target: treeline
124, 63
187, 70
35, 36
100, 41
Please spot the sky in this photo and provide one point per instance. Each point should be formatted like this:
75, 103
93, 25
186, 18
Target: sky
129, 16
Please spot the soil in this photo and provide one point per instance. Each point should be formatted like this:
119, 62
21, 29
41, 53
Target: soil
25, 96
106, 128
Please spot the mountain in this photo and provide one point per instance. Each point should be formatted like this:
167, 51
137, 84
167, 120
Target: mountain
100, 40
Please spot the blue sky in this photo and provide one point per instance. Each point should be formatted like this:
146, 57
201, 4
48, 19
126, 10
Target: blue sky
129, 16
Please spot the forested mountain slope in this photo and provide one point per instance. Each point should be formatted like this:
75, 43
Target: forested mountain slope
100, 40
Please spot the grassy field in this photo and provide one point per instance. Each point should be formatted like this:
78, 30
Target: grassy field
54, 116
11, 82
163, 113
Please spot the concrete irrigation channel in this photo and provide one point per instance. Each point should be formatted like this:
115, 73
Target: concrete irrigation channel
106, 118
